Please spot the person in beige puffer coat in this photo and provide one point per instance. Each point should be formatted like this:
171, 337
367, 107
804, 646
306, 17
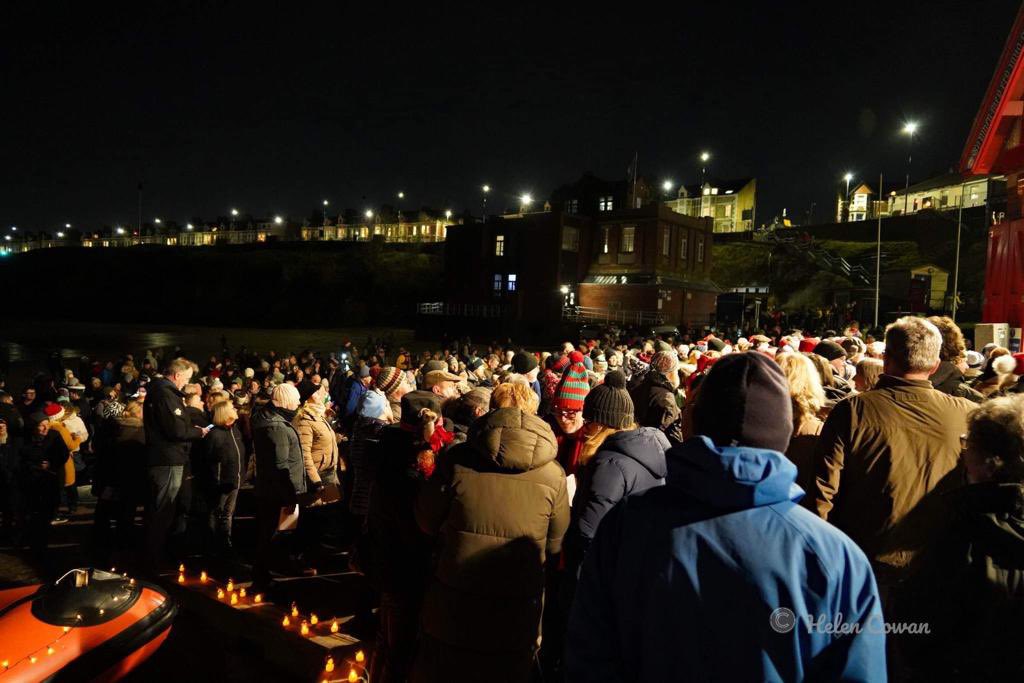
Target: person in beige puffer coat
319, 442
499, 506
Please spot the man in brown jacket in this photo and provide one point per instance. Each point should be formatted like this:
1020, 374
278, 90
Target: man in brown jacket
884, 455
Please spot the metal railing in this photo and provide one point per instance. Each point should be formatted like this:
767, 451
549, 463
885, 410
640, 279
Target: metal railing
460, 310
591, 314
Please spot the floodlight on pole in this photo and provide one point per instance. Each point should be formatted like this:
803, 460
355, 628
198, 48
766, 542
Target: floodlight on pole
234, 212
909, 128
189, 226
525, 200
157, 221
667, 186
60, 234
486, 188
278, 220
67, 226
368, 213
448, 213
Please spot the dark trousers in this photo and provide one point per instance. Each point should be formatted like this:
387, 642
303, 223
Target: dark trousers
396, 637
71, 495
222, 509
268, 514
163, 513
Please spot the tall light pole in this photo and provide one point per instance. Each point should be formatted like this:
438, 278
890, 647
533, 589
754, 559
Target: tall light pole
956, 266
486, 189
325, 212
234, 215
525, 200
909, 128
705, 157
846, 198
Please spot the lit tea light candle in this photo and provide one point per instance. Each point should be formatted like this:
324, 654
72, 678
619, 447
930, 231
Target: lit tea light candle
241, 593
304, 628
202, 577
352, 676
258, 599
32, 659
295, 610
181, 578
286, 622
231, 585
313, 619
181, 567
6, 664
334, 626
360, 657
234, 598
50, 650
329, 667
66, 629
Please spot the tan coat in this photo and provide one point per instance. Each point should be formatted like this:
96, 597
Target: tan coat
318, 441
879, 457
500, 507
801, 450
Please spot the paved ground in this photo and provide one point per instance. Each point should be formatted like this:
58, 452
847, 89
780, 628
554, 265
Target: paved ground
208, 643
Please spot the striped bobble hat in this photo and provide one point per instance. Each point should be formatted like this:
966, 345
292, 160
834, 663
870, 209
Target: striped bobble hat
574, 387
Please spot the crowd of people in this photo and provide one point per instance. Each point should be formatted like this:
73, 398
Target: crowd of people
782, 506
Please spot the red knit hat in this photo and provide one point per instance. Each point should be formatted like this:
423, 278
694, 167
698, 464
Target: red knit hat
52, 410
807, 345
1019, 358
574, 387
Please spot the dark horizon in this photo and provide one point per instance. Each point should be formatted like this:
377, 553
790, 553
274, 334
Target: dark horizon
271, 113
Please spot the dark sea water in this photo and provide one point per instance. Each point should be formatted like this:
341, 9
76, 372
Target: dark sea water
25, 347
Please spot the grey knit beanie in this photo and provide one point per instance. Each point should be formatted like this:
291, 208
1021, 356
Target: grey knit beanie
609, 403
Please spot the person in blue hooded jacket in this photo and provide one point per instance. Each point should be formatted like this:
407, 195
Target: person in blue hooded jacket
719, 574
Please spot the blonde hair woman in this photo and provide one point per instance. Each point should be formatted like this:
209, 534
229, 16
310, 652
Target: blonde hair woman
808, 398
515, 395
223, 450
617, 460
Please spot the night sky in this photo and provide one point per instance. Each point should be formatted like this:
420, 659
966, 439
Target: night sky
214, 106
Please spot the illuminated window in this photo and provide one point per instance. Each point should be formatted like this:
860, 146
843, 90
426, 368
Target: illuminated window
511, 282
497, 283
666, 246
627, 244
606, 203
499, 246
700, 250
570, 238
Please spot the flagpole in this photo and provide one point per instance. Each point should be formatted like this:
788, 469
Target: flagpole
878, 251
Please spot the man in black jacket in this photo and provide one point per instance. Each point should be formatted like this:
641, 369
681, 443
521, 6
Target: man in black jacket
655, 397
169, 434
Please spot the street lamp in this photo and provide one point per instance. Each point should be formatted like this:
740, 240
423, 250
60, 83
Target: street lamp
60, 234
120, 231
846, 198
448, 213
525, 200
7, 237
14, 228
67, 226
189, 227
486, 190
157, 221
278, 220
704, 158
401, 195
909, 128
368, 213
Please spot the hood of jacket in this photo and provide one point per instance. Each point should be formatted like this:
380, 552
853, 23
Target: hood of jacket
646, 445
993, 514
731, 478
946, 373
267, 416
512, 440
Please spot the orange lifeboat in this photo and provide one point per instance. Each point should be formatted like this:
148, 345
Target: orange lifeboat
89, 625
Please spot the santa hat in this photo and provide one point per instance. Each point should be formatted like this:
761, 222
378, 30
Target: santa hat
53, 411
574, 387
1019, 363
1004, 365
807, 345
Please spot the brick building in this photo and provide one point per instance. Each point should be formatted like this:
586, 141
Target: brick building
602, 252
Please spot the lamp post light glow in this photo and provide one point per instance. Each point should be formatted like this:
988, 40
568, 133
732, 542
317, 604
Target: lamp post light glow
667, 186
234, 212
60, 234
448, 213
7, 237
67, 226
120, 231
525, 200
14, 228
278, 220
368, 214
190, 227
846, 198
909, 128
326, 202
486, 188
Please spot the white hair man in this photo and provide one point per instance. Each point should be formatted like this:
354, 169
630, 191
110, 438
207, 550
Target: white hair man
882, 452
169, 438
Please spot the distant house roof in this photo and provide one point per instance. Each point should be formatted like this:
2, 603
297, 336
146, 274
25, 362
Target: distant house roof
944, 180
724, 186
